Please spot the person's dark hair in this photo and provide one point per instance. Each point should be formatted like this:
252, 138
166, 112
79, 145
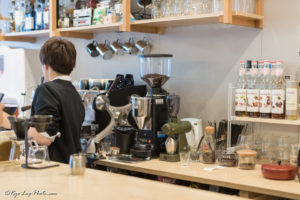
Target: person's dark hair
59, 54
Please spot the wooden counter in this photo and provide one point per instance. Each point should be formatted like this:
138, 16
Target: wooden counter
246, 181
95, 184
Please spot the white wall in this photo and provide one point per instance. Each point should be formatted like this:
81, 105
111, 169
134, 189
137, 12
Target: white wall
206, 58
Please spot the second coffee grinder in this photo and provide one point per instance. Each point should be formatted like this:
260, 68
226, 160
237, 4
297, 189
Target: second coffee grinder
151, 112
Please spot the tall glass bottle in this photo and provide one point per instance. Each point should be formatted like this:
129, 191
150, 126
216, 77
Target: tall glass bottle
240, 92
17, 16
46, 16
29, 17
208, 150
22, 15
265, 95
12, 16
252, 90
278, 91
39, 16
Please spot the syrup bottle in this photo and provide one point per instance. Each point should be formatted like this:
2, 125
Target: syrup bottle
252, 90
265, 94
240, 92
278, 91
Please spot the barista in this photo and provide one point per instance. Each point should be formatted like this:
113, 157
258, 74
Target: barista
59, 98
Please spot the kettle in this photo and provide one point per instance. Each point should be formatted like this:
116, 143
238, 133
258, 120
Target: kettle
194, 136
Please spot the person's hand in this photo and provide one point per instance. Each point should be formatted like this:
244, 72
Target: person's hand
3, 117
40, 139
1, 113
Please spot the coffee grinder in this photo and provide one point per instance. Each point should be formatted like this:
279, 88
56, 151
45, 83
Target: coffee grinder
175, 130
151, 112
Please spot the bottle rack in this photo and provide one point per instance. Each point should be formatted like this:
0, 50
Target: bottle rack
232, 117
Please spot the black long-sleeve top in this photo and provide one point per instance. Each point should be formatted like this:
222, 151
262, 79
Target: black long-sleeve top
60, 99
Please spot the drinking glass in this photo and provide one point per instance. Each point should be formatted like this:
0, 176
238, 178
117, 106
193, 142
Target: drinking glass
282, 152
167, 8
245, 141
106, 148
184, 157
188, 7
77, 164
218, 5
156, 9
38, 154
178, 7
194, 154
294, 154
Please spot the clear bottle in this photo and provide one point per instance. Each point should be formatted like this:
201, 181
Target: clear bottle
252, 90
12, 16
240, 92
208, 146
46, 16
22, 15
265, 94
17, 16
278, 91
39, 16
29, 17
292, 100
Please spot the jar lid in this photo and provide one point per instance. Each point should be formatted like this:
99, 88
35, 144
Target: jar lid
246, 153
209, 130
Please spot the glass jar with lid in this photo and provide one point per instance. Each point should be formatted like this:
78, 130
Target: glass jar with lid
247, 159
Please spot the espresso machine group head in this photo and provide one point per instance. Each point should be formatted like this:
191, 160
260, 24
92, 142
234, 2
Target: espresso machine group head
151, 112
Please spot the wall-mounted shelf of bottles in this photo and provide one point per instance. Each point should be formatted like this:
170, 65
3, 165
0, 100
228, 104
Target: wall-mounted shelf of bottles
155, 25
267, 121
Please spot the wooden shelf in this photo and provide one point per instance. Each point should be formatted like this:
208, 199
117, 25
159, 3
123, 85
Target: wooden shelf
41, 33
268, 121
158, 25
29, 36
4, 18
87, 32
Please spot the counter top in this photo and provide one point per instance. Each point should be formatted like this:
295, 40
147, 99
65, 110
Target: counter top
230, 177
58, 184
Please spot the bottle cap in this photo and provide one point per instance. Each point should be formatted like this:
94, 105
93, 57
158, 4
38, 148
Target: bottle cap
246, 153
242, 62
253, 61
209, 130
261, 62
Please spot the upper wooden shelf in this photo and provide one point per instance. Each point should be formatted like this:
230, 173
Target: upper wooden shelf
268, 121
4, 18
156, 26
87, 32
29, 36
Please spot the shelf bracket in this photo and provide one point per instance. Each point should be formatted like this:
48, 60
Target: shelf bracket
227, 18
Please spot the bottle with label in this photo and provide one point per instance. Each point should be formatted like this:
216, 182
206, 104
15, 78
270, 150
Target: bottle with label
278, 91
46, 16
22, 16
265, 95
292, 100
252, 90
30, 17
17, 16
39, 16
208, 150
12, 17
240, 92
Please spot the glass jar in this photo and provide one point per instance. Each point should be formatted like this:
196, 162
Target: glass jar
247, 159
228, 159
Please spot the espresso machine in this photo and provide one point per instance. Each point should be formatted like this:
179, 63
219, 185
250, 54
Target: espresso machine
151, 112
